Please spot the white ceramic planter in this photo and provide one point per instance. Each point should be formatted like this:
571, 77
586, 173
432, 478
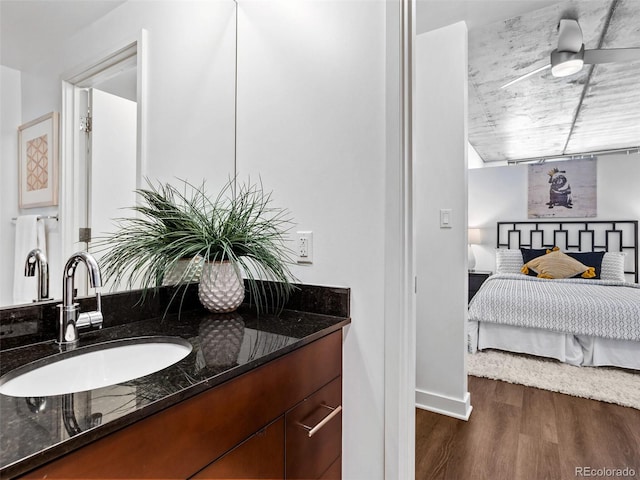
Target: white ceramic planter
221, 287
184, 271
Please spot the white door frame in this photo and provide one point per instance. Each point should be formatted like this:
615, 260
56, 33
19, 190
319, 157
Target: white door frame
132, 51
400, 316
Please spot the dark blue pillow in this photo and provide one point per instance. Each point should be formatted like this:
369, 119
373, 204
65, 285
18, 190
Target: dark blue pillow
529, 254
590, 259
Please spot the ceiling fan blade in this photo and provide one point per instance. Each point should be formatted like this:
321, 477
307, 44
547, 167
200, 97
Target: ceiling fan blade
569, 36
526, 75
612, 55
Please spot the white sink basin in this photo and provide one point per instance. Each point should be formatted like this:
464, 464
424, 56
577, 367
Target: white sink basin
94, 367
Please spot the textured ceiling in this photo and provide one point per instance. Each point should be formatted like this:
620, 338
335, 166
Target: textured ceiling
543, 116
433, 14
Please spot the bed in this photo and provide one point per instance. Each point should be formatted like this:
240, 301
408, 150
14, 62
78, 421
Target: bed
581, 321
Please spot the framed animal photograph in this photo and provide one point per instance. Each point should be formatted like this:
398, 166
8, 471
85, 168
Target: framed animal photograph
563, 189
38, 162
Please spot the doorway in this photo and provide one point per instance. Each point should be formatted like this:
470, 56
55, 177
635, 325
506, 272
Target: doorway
102, 146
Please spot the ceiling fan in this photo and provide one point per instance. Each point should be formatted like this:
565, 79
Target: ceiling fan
570, 55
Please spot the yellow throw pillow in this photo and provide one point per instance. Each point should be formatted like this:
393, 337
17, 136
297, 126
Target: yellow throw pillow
556, 264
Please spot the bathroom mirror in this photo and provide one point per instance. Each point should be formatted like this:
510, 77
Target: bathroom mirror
184, 74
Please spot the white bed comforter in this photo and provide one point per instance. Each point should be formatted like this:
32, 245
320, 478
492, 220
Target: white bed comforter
598, 308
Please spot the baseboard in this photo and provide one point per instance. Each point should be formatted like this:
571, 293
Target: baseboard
452, 407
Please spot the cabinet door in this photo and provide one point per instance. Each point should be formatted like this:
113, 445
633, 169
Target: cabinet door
260, 456
334, 472
314, 433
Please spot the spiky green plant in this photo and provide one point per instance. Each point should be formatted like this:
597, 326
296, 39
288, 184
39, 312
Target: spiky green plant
185, 223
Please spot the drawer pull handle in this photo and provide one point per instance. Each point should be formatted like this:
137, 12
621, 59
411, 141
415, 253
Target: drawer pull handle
313, 430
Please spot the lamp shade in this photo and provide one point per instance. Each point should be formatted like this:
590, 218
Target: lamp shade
474, 236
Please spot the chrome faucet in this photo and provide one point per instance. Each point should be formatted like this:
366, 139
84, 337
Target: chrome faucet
37, 257
71, 319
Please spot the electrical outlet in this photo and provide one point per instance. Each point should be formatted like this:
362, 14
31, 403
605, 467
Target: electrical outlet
304, 247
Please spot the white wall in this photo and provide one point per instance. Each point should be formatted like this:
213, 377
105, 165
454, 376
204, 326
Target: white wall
440, 182
500, 194
190, 93
10, 117
311, 123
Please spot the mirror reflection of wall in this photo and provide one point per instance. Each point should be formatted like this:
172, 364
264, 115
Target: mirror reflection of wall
189, 110
111, 156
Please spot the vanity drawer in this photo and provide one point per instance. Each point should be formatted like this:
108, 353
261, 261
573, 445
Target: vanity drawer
314, 433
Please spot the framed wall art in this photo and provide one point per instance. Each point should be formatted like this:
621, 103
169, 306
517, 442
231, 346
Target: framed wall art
565, 189
38, 161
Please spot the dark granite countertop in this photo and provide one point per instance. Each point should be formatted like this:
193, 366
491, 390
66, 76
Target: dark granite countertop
34, 431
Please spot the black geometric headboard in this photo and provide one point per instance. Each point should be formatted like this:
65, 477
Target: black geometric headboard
574, 235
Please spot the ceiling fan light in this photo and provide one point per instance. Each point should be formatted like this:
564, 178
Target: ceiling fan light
564, 63
567, 68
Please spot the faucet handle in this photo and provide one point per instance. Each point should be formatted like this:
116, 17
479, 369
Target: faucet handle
90, 320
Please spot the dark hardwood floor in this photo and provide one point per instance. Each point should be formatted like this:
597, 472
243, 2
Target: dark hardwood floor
523, 433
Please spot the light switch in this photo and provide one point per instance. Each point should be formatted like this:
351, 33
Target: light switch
445, 218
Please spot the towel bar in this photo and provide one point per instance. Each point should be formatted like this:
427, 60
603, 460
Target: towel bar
40, 217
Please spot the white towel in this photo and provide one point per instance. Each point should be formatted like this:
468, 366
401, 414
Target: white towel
30, 234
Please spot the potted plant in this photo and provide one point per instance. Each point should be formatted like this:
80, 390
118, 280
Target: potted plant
234, 235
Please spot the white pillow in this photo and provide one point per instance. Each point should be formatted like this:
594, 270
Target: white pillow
613, 267
508, 260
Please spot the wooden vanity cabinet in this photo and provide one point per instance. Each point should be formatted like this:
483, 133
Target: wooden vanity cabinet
249, 426
260, 456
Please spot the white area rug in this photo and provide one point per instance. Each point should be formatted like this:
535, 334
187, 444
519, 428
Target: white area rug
599, 383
